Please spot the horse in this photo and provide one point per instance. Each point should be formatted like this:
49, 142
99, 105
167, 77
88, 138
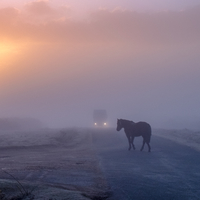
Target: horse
133, 130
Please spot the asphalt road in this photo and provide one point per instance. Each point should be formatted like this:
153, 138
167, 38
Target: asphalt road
170, 172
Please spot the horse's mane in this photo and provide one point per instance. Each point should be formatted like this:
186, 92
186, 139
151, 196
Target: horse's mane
127, 122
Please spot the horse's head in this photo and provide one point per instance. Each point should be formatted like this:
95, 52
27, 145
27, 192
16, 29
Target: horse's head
119, 125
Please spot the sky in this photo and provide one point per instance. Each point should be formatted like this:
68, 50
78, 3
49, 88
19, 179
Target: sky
139, 60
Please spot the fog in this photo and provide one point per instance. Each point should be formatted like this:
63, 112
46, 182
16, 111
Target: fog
137, 66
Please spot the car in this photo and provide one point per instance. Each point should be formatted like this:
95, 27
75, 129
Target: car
100, 118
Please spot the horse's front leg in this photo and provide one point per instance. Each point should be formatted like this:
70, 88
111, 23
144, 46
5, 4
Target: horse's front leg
129, 139
142, 145
132, 140
129, 142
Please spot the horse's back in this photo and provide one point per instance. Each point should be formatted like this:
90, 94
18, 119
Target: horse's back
142, 129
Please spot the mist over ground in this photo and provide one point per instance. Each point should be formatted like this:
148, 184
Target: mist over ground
138, 66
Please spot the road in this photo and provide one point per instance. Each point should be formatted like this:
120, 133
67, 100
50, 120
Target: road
170, 172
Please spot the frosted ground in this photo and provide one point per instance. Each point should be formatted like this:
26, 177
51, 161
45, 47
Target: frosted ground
55, 164
184, 136
61, 164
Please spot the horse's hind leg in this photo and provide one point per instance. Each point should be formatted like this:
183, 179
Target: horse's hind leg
149, 147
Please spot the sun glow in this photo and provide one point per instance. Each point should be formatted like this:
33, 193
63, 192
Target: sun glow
8, 53
6, 48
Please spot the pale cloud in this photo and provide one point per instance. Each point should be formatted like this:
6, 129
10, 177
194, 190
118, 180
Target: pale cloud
119, 9
148, 28
40, 7
9, 17
8, 13
65, 8
104, 25
42, 11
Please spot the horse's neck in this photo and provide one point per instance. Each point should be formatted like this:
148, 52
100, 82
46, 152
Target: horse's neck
127, 127
128, 123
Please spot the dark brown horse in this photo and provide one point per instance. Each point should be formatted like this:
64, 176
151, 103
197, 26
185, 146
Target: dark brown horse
133, 130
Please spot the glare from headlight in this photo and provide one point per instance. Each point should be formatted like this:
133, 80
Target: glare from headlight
104, 124
95, 124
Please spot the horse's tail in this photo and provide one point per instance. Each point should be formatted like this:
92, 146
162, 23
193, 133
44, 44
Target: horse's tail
148, 139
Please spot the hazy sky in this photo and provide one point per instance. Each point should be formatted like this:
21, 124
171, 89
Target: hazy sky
131, 4
139, 60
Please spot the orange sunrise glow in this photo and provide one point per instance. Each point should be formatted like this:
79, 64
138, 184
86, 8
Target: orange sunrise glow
58, 65
8, 53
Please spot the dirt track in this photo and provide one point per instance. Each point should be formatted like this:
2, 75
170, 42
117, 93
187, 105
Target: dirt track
54, 164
